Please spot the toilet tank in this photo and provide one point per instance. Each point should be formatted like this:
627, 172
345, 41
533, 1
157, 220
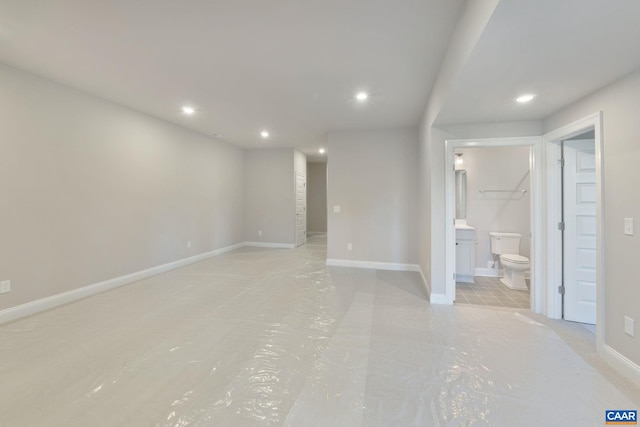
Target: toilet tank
505, 243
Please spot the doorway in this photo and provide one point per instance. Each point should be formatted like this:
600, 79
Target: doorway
534, 144
492, 193
317, 198
578, 228
580, 301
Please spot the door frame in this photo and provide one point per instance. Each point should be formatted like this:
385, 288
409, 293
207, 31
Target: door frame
537, 243
551, 144
296, 174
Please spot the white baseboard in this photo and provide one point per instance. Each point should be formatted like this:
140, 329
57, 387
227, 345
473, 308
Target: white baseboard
372, 265
628, 368
492, 272
437, 299
313, 233
464, 278
488, 272
271, 245
37, 306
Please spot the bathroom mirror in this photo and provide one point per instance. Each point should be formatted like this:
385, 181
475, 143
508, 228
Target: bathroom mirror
461, 194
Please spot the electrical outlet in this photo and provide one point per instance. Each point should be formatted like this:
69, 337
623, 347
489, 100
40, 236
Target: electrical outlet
349, 247
628, 226
189, 244
336, 209
629, 327
259, 232
5, 286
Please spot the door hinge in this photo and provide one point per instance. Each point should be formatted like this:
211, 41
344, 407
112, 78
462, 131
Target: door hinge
561, 162
561, 289
561, 226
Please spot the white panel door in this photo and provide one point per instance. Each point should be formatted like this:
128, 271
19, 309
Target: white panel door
580, 231
301, 209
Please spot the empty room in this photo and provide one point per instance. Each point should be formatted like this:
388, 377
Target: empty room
319, 213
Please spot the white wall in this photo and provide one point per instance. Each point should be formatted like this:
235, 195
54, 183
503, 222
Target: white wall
317, 197
269, 196
92, 191
621, 110
373, 177
498, 168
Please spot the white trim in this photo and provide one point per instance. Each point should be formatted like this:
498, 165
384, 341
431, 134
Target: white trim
488, 272
627, 367
493, 272
271, 245
332, 262
537, 238
43, 304
554, 306
439, 299
296, 174
314, 233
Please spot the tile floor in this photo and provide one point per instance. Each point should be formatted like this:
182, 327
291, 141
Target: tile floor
489, 291
263, 337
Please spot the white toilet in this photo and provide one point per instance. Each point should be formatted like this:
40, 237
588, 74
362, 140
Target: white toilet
507, 245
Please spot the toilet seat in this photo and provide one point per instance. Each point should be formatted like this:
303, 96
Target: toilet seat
516, 259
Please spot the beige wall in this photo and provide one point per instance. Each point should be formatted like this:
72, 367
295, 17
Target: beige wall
373, 177
269, 196
424, 204
317, 197
621, 112
473, 19
92, 191
502, 168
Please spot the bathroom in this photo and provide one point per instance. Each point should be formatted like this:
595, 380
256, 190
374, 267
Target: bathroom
493, 194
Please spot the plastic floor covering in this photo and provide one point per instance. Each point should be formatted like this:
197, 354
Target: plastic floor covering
261, 337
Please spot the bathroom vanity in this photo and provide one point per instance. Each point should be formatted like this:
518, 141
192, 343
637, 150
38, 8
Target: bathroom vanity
465, 253
465, 234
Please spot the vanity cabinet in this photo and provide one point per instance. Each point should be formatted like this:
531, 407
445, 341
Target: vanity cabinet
465, 254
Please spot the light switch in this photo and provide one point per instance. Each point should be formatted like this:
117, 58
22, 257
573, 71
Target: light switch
629, 328
336, 209
628, 226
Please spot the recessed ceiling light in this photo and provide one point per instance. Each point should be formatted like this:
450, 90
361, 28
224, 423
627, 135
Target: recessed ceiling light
362, 96
525, 98
188, 110
321, 151
264, 134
